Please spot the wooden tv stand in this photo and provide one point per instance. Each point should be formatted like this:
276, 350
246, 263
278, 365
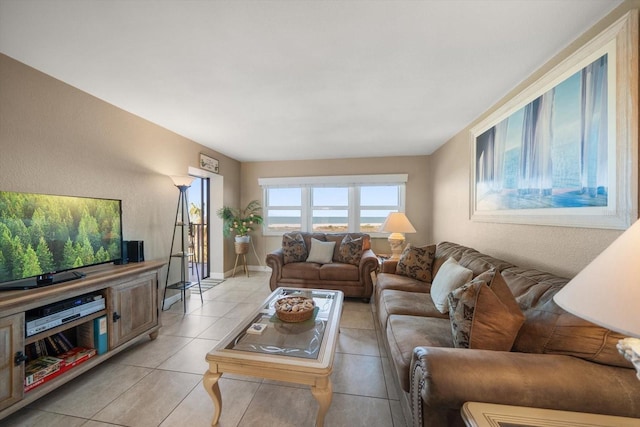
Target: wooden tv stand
131, 306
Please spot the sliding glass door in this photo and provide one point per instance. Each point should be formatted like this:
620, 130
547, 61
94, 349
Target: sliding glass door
199, 257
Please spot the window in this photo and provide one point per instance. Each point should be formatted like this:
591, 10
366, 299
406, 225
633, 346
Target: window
331, 204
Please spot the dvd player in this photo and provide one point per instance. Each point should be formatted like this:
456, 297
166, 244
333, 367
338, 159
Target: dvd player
57, 314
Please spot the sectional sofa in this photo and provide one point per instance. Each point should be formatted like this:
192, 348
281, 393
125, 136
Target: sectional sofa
556, 361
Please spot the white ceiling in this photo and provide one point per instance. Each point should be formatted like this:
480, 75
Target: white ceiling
287, 79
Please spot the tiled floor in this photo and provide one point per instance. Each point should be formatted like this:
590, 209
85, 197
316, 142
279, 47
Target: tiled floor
159, 383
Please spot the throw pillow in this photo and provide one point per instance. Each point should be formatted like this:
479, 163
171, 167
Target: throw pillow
450, 276
321, 252
416, 262
293, 248
484, 316
351, 250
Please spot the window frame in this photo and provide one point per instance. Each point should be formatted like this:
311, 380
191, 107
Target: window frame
354, 183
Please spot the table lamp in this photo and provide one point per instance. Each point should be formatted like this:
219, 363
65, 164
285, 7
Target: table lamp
397, 224
606, 292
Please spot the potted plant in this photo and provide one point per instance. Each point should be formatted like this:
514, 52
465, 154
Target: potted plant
240, 222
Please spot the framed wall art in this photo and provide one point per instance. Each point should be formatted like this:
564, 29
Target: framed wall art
564, 151
208, 163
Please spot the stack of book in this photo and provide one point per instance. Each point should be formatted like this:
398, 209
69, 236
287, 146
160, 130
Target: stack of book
46, 368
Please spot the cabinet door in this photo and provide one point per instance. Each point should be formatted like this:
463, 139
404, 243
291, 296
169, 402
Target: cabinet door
11, 374
133, 308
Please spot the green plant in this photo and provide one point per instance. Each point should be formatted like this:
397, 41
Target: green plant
241, 221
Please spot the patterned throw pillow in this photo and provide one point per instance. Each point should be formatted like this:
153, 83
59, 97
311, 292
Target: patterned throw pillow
351, 250
450, 276
484, 315
416, 262
293, 248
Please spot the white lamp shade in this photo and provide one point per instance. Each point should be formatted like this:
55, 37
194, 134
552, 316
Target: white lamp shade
397, 222
182, 180
607, 291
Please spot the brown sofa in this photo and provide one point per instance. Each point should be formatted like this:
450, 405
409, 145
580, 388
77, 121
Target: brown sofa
353, 280
557, 361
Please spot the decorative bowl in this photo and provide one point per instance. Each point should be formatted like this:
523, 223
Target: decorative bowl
294, 308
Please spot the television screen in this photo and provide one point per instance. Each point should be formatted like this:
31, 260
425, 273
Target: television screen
42, 234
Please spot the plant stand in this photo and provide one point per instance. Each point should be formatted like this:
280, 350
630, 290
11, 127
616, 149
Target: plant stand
241, 251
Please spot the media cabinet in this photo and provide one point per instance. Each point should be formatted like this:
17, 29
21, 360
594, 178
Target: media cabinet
131, 307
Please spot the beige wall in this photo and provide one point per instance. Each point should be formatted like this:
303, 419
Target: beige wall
418, 197
561, 250
56, 139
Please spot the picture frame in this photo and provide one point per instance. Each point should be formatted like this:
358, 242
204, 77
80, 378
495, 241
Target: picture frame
563, 152
209, 163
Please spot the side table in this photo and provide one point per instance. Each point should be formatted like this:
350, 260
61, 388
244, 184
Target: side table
478, 414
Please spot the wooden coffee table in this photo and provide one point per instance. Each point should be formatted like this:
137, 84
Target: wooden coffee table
300, 353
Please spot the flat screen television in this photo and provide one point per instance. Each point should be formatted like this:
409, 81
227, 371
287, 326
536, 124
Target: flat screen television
47, 239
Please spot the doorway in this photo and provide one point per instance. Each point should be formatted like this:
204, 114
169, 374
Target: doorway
199, 214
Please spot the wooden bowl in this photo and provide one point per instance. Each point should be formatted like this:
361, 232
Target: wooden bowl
294, 308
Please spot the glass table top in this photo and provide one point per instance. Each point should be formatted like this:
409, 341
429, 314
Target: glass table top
302, 339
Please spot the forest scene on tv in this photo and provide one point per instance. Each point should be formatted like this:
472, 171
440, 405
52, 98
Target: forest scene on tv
44, 233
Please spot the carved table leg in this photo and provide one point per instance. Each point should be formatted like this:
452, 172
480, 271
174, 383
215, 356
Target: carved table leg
210, 383
153, 335
323, 393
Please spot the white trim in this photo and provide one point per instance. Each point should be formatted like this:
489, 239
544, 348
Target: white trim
333, 180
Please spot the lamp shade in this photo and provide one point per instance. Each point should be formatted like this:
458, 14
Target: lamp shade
397, 222
607, 291
182, 180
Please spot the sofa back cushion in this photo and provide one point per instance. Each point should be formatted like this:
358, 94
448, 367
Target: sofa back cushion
551, 330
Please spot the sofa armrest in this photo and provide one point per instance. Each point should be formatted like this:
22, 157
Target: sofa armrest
389, 266
368, 265
443, 379
275, 260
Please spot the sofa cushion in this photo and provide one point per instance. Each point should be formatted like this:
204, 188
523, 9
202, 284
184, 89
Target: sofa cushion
409, 303
450, 276
416, 262
293, 248
321, 252
551, 330
484, 314
301, 270
351, 250
404, 333
339, 271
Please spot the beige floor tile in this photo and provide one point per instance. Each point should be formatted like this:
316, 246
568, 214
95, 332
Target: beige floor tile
357, 319
190, 358
214, 308
92, 423
356, 304
396, 413
233, 295
35, 418
241, 310
280, 406
151, 353
197, 409
360, 375
151, 400
190, 326
95, 389
219, 329
358, 411
358, 341
392, 388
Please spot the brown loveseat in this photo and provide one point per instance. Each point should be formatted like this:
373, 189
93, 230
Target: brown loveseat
557, 361
353, 280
